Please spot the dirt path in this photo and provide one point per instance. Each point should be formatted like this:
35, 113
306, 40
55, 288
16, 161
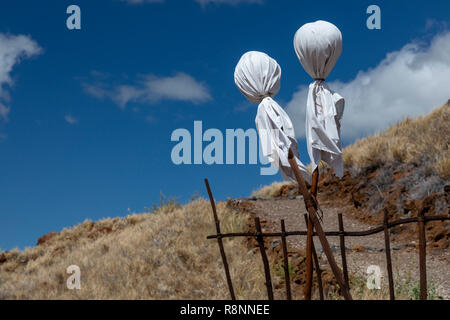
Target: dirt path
362, 251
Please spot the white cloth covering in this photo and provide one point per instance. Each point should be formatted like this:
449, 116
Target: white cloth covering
318, 46
258, 78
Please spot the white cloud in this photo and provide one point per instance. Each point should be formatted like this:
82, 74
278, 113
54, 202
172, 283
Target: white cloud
70, 119
12, 50
151, 90
407, 83
180, 87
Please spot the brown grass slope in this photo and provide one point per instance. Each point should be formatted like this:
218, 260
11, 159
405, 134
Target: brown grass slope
404, 170
159, 255
421, 142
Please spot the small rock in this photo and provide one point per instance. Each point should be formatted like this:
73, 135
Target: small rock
274, 244
358, 248
2, 258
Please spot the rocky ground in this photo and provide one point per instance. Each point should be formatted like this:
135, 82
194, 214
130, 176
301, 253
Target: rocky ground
361, 251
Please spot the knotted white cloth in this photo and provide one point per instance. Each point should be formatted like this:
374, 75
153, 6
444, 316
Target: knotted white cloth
258, 78
318, 46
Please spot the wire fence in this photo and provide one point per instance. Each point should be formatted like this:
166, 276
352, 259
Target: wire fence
421, 220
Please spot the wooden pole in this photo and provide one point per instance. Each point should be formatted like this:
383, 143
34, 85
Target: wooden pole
388, 254
287, 278
316, 265
315, 182
311, 205
422, 257
309, 266
219, 241
260, 240
343, 251
309, 240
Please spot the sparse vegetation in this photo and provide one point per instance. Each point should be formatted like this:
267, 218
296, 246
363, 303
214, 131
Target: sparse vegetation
271, 191
162, 255
166, 204
421, 144
423, 141
405, 288
278, 268
403, 171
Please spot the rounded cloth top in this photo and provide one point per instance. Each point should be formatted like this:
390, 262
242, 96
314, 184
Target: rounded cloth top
257, 76
318, 46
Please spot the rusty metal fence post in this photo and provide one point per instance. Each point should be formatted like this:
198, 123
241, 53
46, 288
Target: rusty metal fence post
219, 241
343, 250
262, 249
316, 265
421, 219
287, 277
309, 258
422, 257
388, 254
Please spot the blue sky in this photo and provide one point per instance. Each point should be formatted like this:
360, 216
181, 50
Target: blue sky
86, 115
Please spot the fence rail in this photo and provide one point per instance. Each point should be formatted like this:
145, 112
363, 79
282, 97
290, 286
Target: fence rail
331, 233
421, 220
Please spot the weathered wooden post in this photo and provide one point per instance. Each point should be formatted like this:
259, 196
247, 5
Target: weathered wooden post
310, 205
309, 240
258, 77
318, 46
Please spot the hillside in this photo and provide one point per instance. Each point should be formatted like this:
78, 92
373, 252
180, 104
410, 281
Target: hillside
163, 254
402, 170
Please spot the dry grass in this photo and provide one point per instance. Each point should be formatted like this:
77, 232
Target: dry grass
159, 255
405, 288
273, 190
421, 141
270, 191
